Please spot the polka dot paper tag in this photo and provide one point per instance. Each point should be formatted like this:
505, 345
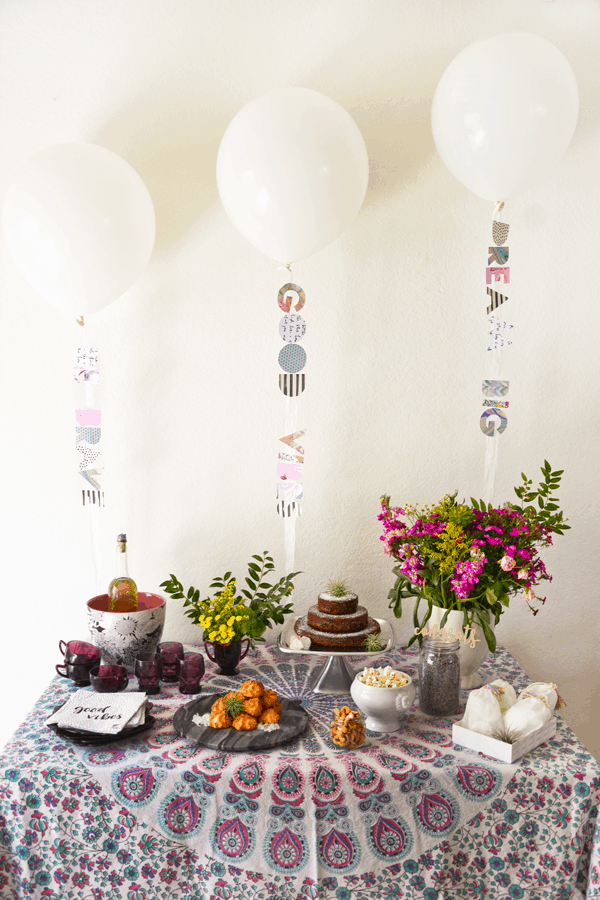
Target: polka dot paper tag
292, 358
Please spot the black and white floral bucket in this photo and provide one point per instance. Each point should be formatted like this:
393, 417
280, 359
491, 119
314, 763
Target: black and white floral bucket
122, 636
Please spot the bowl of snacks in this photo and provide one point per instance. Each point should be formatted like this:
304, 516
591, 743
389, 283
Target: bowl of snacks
384, 695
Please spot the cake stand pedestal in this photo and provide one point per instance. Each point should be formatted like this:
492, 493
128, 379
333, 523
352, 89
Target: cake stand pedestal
335, 675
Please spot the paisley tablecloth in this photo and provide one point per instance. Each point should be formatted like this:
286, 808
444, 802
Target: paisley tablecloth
408, 815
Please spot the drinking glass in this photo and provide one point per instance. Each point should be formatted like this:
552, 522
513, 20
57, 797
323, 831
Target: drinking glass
148, 669
170, 653
191, 670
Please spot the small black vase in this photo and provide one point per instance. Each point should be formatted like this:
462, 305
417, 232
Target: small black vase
227, 656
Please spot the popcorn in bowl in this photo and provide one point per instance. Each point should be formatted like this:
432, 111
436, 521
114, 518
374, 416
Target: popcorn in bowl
384, 696
384, 678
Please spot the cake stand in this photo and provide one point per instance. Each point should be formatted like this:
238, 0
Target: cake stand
335, 675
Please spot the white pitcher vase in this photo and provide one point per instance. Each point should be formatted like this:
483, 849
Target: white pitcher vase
470, 657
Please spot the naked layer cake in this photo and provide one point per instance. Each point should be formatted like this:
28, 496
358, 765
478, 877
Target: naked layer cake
337, 622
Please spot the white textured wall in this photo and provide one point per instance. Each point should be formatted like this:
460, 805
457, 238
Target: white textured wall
394, 309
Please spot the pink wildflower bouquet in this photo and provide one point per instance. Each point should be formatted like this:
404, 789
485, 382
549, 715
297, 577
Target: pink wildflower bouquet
472, 558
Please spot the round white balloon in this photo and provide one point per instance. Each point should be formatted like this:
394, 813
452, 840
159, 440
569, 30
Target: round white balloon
79, 224
504, 113
292, 172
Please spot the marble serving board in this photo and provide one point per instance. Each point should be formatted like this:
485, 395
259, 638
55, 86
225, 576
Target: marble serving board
292, 723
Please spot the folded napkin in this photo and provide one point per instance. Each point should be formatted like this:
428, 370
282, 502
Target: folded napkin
101, 713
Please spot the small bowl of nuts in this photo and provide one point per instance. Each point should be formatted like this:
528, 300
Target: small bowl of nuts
384, 695
347, 728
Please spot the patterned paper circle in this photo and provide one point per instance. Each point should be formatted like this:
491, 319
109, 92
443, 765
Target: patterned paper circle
285, 302
292, 358
292, 328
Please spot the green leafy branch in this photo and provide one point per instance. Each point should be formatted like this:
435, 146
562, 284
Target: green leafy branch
547, 511
261, 598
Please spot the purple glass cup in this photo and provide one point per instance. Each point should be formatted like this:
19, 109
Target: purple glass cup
170, 652
109, 679
80, 675
191, 670
80, 653
148, 670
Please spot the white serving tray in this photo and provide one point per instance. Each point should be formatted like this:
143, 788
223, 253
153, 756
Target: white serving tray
508, 753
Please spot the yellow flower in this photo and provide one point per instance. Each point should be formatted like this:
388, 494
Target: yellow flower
213, 635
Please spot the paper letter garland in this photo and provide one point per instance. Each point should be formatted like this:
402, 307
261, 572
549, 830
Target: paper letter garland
88, 429
493, 420
292, 359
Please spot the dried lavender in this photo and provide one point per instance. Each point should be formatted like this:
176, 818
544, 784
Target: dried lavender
439, 679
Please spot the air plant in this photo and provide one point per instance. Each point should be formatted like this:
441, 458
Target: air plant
233, 706
506, 735
336, 587
372, 643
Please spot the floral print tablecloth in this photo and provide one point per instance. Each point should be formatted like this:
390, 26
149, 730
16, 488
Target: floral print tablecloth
408, 815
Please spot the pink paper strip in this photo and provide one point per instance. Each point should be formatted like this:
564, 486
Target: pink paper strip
88, 416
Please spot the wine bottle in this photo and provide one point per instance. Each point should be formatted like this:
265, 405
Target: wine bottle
122, 590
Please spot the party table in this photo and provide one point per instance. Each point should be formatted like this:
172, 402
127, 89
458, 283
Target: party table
407, 815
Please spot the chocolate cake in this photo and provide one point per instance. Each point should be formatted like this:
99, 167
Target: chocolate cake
338, 623
327, 603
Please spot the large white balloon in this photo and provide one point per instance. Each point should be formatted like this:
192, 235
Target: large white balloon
79, 224
292, 172
504, 113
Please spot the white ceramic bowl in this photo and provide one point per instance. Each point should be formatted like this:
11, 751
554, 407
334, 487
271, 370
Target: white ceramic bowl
384, 708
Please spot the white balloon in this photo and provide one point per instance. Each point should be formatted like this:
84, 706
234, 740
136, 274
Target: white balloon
504, 112
292, 172
79, 224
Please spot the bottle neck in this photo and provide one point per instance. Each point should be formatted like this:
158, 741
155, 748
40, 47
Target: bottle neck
122, 559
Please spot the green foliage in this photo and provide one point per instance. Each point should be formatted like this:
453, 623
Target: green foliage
547, 510
259, 604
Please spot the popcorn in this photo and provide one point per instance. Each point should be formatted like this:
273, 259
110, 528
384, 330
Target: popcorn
385, 678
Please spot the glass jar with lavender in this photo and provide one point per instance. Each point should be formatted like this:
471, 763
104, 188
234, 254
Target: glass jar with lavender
439, 678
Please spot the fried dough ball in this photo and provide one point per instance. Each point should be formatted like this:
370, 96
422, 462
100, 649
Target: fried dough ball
244, 722
253, 707
220, 720
268, 717
269, 698
277, 708
251, 689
